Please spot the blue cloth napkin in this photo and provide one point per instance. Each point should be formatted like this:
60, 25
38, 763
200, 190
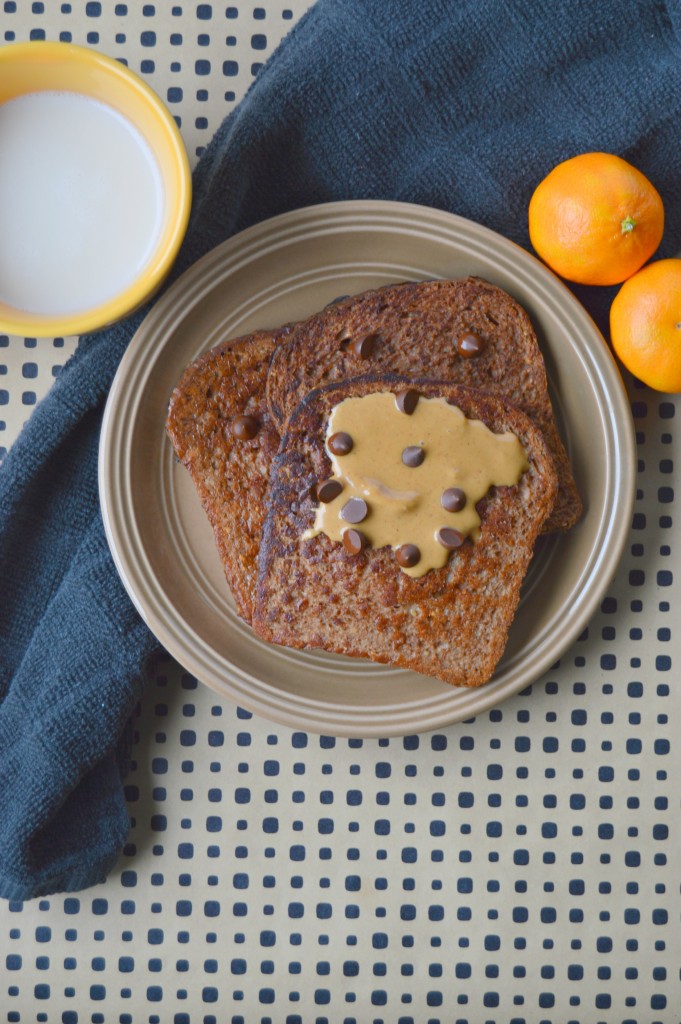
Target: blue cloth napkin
463, 106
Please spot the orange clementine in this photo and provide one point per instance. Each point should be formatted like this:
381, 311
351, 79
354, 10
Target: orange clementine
645, 325
595, 219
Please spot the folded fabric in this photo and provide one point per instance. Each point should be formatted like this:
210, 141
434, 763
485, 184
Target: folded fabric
463, 106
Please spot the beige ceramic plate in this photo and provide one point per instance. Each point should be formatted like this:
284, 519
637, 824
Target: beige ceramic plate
283, 270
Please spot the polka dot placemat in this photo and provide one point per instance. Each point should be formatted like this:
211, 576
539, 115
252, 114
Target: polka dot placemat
522, 867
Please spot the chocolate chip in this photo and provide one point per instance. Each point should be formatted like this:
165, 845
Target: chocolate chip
327, 490
339, 298
340, 443
244, 428
407, 555
354, 541
344, 337
406, 401
450, 538
363, 348
469, 345
453, 499
354, 510
413, 456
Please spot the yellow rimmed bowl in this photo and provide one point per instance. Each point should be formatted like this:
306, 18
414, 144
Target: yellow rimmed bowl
63, 67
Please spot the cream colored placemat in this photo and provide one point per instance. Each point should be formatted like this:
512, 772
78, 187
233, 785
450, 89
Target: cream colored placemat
523, 867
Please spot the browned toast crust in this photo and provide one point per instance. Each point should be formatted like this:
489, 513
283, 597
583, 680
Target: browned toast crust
451, 623
231, 477
416, 326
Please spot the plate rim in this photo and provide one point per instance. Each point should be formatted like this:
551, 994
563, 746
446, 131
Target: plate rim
290, 709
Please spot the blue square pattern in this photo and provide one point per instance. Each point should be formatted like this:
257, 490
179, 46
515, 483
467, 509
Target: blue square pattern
519, 867
526, 862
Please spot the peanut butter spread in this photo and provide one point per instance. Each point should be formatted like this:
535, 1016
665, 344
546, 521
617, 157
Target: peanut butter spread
411, 471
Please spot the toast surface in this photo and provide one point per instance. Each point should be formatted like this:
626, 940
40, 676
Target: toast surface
414, 328
230, 475
451, 623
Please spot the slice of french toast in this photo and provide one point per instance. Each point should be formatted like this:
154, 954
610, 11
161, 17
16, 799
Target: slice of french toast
467, 331
217, 404
452, 622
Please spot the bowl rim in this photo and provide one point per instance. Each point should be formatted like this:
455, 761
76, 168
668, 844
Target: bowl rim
126, 301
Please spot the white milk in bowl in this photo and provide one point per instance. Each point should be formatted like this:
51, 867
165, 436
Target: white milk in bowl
81, 203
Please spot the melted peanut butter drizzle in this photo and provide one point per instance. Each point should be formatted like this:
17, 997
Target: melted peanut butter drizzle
404, 502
